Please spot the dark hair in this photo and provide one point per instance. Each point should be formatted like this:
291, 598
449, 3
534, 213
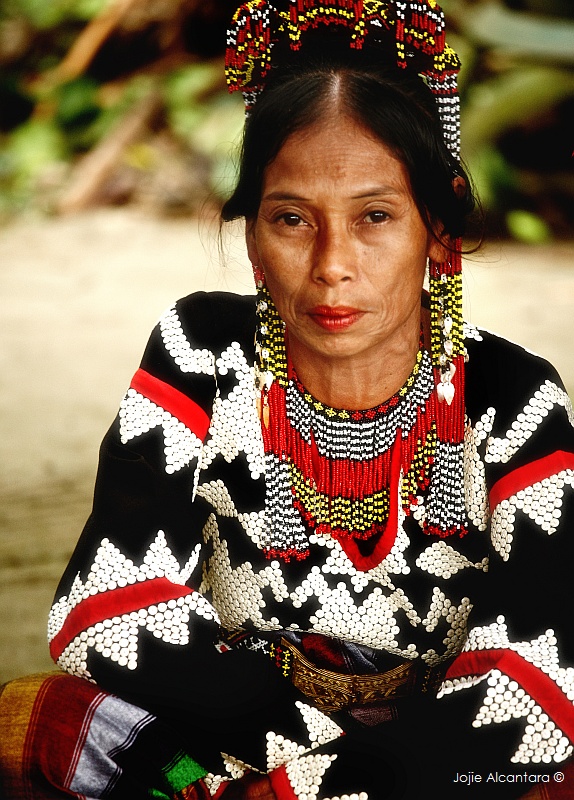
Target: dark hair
402, 114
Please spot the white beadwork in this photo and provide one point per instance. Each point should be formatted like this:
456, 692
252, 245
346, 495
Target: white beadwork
372, 623
253, 524
187, 358
235, 426
237, 593
337, 437
444, 561
505, 699
280, 750
217, 495
354, 796
542, 502
445, 497
306, 774
234, 766
322, 729
117, 638
339, 563
456, 616
282, 520
111, 570
476, 492
501, 450
213, 782
470, 331
138, 415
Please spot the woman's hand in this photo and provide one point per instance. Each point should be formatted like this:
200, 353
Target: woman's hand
250, 787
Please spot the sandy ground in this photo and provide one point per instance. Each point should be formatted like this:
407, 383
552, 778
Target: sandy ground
79, 297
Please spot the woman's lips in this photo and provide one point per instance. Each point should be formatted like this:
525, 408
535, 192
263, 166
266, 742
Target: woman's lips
335, 317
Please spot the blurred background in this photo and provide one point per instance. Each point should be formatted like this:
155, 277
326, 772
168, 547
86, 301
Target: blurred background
117, 146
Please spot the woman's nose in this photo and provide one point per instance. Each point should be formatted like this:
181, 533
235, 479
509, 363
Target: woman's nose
334, 258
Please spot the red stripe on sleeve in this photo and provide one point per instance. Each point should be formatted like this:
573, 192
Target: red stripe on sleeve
114, 603
180, 405
528, 474
533, 680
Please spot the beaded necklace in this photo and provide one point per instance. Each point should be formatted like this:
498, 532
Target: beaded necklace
346, 474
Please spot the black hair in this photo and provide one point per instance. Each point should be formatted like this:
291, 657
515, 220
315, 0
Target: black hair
401, 113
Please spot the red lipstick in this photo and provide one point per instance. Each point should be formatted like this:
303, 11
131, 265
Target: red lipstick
335, 318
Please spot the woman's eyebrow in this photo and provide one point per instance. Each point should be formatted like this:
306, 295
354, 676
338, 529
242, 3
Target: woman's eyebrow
284, 196
375, 191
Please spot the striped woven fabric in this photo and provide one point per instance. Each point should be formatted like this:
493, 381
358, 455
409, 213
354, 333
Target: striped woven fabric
105, 746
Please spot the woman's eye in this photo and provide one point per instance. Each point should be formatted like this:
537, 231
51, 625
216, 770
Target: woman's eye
292, 220
376, 216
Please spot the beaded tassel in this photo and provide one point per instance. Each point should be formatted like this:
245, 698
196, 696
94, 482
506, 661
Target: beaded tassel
269, 337
446, 495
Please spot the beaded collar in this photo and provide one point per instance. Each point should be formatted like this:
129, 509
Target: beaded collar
346, 474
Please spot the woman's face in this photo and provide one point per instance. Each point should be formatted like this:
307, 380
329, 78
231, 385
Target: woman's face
342, 245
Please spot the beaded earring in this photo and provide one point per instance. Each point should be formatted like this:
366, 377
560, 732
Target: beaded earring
446, 502
269, 338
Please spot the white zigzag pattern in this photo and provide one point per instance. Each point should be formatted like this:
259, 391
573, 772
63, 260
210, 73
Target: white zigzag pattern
138, 415
235, 425
501, 449
505, 699
117, 638
237, 592
542, 502
305, 772
187, 358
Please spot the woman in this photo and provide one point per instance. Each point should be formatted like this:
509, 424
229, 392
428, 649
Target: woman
328, 566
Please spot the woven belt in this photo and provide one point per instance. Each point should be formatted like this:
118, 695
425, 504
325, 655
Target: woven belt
334, 691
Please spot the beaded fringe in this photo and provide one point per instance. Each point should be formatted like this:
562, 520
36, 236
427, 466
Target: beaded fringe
445, 503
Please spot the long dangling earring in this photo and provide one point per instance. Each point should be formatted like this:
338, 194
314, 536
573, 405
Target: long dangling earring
445, 504
263, 375
447, 338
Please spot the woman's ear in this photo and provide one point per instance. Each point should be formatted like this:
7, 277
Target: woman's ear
441, 243
250, 241
437, 250
459, 185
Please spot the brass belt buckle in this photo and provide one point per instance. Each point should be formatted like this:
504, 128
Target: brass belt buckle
334, 691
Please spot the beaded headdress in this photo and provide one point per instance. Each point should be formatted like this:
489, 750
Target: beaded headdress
415, 30
263, 35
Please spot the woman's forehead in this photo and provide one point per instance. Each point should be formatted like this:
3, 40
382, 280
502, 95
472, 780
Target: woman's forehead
334, 150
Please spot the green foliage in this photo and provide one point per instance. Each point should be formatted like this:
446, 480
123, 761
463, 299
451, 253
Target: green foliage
182, 91
77, 103
209, 122
34, 149
518, 69
527, 227
510, 99
47, 14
